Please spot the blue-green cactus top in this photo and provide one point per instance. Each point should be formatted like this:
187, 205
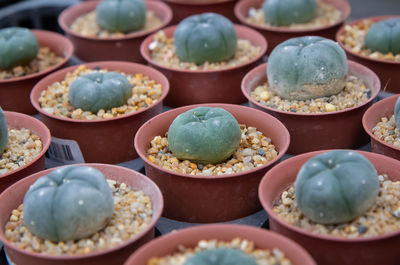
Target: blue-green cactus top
221, 256
3, 132
286, 12
384, 36
397, 112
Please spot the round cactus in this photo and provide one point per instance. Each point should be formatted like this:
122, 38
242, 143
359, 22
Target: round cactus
336, 187
286, 12
206, 37
384, 36
95, 91
204, 135
221, 256
306, 68
397, 112
3, 132
18, 46
69, 203
121, 15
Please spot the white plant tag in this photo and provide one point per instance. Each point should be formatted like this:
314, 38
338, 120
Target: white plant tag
63, 152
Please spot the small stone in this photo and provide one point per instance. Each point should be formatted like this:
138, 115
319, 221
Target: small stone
362, 229
261, 152
330, 108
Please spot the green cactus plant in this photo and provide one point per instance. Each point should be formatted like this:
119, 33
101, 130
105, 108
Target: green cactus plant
384, 36
18, 46
204, 135
306, 68
99, 90
3, 132
286, 12
221, 256
69, 203
207, 37
336, 187
121, 15
397, 112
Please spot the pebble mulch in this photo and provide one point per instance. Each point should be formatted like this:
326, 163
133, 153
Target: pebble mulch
261, 256
54, 99
132, 213
254, 150
381, 218
387, 131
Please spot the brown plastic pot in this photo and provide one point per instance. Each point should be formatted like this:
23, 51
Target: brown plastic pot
317, 131
206, 86
205, 199
126, 48
387, 71
107, 140
276, 35
14, 92
373, 115
189, 237
17, 120
11, 198
330, 250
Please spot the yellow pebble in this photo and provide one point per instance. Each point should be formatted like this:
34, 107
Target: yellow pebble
151, 158
265, 95
329, 107
193, 165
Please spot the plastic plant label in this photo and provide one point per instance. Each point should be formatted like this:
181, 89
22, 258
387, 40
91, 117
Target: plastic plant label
63, 152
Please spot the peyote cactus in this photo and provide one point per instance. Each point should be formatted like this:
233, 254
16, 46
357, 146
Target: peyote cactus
3, 132
204, 135
69, 203
98, 90
121, 15
286, 12
18, 46
306, 68
221, 256
384, 36
336, 187
397, 112
207, 37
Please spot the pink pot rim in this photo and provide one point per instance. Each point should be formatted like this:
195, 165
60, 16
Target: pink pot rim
101, 64
224, 176
242, 19
155, 218
198, 3
376, 19
149, 3
45, 140
303, 232
352, 66
66, 56
248, 31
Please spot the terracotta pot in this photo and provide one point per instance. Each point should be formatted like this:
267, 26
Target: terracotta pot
13, 197
373, 115
387, 71
330, 250
14, 93
189, 237
18, 121
316, 131
206, 86
107, 140
205, 199
276, 35
126, 48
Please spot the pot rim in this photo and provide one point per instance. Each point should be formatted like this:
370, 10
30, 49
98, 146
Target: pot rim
150, 4
101, 64
156, 216
339, 33
198, 2
45, 140
342, 3
248, 31
39, 34
374, 92
180, 110
303, 232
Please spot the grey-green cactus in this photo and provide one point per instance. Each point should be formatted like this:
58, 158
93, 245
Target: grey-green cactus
397, 112
3, 132
384, 36
286, 12
221, 256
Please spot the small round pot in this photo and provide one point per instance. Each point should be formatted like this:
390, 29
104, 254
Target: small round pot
330, 250
14, 92
373, 115
126, 48
14, 195
276, 35
205, 199
316, 131
106, 140
387, 71
17, 120
189, 237
206, 86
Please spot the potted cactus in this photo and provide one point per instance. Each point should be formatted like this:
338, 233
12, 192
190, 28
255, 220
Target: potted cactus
100, 32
